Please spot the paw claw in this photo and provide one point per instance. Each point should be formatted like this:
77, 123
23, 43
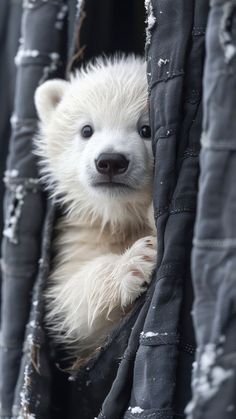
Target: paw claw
148, 258
141, 260
136, 273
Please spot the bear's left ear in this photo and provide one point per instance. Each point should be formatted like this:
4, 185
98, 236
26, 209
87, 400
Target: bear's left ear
48, 96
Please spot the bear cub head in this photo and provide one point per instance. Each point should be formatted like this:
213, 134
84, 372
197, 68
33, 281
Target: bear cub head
95, 140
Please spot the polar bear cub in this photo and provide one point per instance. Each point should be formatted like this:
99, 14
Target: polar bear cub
97, 160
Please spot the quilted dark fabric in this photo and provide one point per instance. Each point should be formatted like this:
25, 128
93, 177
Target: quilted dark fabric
214, 261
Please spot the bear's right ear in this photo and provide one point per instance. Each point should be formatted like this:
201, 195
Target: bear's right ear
48, 96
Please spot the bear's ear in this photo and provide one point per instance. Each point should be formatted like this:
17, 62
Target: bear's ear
48, 96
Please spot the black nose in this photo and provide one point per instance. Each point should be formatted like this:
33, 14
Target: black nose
111, 164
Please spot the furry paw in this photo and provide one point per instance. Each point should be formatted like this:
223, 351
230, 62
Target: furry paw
138, 263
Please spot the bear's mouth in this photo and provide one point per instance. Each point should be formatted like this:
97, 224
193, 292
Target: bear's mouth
112, 185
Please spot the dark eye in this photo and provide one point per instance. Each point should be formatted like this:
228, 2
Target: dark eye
87, 131
145, 131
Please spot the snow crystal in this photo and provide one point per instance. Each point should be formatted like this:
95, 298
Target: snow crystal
40, 261
28, 4
162, 62
222, 339
230, 52
14, 119
135, 409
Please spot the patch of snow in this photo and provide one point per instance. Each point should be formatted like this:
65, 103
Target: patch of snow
79, 5
25, 53
208, 377
219, 375
150, 21
13, 120
135, 409
208, 357
189, 408
30, 339
14, 214
230, 52
151, 334
12, 173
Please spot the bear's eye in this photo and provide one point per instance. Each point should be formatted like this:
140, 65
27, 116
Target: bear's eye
145, 131
87, 131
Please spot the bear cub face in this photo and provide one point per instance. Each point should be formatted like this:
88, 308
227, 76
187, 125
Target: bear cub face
95, 140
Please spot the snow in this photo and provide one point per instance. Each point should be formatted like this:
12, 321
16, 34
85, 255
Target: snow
208, 357
79, 5
14, 119
11, 173
150, 21
55, 59
61, 16
208, 377
152, 334
22, 53
162, 62
30, 339
230, 52
135, 409
14, 213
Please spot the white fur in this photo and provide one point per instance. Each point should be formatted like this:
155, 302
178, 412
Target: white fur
105, 248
